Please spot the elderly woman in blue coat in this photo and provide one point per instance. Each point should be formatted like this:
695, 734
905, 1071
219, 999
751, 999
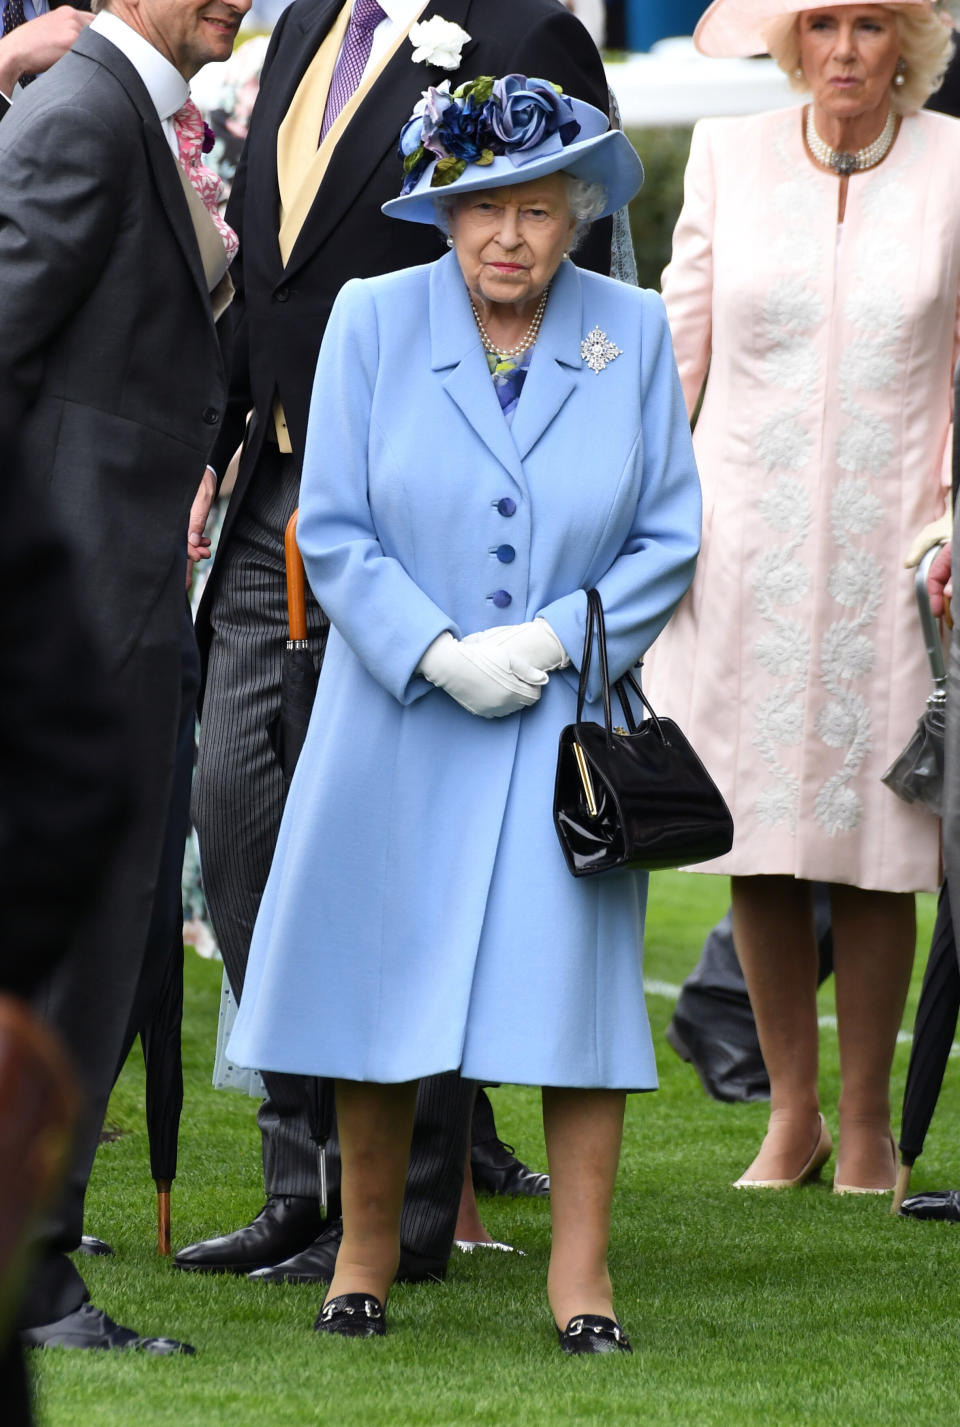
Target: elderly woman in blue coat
491, 435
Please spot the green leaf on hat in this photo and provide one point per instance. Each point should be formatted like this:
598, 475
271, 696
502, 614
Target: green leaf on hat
413, 159
480, 88
485, 158
447, 170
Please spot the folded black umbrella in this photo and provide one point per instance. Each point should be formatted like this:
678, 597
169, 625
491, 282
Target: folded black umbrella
301, 664
917, 775
933, 1033
163, 1088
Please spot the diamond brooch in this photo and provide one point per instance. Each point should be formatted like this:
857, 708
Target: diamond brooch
597, 350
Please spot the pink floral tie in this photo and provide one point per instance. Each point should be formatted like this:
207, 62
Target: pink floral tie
357, 44
188, 123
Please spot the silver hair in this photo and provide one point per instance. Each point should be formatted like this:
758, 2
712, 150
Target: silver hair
586, 202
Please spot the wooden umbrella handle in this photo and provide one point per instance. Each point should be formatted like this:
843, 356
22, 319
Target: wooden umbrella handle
163, 1217
296, 581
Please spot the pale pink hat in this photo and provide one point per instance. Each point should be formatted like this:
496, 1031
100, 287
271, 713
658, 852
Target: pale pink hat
734, 28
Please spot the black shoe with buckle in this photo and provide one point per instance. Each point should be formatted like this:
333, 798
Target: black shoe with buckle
496, 1170
590, 1333
352, 1315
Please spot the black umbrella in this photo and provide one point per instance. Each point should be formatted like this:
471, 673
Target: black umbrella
160, 1038
157, 1010
157, 1017
300, 666
298, 687
933, 1034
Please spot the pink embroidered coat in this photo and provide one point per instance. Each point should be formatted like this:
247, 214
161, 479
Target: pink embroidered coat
796, 664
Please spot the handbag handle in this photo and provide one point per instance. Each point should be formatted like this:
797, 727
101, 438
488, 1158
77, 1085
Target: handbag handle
595, 624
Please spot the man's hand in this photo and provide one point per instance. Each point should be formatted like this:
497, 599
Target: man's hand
198, 544
939, 586
35, 46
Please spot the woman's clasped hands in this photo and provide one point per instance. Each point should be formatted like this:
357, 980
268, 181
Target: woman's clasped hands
496, 671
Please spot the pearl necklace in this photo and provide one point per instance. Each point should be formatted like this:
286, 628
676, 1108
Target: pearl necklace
846, 163
528, 338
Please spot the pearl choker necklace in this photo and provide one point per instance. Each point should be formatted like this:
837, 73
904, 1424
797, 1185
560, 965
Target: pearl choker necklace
528, 338
846, 163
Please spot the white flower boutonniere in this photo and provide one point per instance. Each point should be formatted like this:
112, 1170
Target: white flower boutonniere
437, 42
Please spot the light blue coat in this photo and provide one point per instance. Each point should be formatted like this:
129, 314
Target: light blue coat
419, 915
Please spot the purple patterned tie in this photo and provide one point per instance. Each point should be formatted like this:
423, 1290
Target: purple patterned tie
357, 44
13, 17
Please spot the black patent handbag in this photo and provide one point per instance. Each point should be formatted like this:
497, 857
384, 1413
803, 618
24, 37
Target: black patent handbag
633, 796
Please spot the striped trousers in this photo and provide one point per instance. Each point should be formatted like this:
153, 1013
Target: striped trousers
238, 803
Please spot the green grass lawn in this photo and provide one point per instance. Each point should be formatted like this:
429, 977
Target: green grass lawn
787, 1308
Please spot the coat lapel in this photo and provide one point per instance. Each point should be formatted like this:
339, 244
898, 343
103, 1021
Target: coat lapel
556, 357
163, 165
455, 347
312, 27
373, 131
307, 33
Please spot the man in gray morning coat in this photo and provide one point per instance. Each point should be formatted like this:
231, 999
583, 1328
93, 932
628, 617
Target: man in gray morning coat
112, 388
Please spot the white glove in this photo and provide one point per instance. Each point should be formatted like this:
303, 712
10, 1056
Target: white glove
933, 534
533, 645
480, 681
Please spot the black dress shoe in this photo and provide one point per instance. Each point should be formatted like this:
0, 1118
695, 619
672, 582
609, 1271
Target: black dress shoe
352, 1315
96, 1248
315, 1263
89, 1327
285, 1225
496, 1170
590, 1333
933, 1204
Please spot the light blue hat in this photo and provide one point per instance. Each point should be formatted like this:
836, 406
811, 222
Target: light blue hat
493, 133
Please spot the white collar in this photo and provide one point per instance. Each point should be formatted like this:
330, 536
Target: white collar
163, 82
402, 12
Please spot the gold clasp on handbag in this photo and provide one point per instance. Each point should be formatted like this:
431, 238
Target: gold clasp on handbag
585, 779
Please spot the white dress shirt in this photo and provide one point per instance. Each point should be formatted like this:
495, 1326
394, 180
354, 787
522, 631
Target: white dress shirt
400, 14
163, 82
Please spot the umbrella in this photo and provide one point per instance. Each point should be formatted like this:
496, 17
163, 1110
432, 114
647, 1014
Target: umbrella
298, 675
298, 686
160, 1038
157, 1017
917, 775
933, 1034
157, 1011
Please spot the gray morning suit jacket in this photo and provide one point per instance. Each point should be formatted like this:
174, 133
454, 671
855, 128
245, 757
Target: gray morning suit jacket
112, 388
110, 367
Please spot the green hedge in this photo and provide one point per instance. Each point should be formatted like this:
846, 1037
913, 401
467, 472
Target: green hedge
653, 212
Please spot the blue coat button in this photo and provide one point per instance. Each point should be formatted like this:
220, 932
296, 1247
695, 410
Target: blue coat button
502, 598
507, 506
506, 554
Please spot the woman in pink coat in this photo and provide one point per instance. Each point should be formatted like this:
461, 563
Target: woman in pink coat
812, 297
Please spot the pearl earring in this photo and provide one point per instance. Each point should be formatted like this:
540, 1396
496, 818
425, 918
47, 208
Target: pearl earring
900, 78
449, 242
564, 258
798, 72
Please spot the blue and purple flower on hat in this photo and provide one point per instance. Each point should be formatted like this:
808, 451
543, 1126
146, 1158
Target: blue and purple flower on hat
480, 121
